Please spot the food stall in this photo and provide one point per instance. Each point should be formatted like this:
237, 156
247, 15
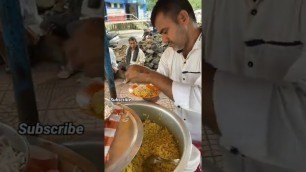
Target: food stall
85, 153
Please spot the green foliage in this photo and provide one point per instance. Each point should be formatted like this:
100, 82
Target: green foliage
150, 4
196, 4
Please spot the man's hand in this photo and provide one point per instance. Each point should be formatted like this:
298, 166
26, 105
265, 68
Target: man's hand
141, 74
33, 37
115, 69
137, 74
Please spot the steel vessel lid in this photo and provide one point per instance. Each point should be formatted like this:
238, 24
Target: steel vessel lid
127, 141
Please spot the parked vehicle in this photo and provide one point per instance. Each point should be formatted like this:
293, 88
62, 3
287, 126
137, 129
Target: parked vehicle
113, 39
147, 33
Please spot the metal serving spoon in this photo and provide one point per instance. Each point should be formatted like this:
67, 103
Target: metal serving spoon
153, 159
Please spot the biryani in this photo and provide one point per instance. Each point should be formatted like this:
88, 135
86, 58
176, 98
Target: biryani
96, 104
145, 91
157, 140
11, 160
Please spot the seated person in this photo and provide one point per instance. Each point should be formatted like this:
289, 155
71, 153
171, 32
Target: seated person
31, 21
134, 55
113, 61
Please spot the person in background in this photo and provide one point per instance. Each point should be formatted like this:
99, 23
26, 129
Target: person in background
31, 22
256, 85
179, 71
134, 55
84, 50
66, 24
113, 61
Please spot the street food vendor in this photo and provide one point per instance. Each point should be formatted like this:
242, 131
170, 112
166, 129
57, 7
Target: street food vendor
179, 72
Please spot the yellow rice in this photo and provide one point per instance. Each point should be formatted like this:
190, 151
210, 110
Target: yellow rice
145, 92
158, 141
96, 104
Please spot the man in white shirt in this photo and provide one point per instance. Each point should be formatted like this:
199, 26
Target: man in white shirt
179, 72
259, 88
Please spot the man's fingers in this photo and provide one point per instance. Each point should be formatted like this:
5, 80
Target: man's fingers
133, 73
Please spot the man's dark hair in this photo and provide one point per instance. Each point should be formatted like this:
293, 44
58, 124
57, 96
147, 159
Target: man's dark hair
172, 9
132, 38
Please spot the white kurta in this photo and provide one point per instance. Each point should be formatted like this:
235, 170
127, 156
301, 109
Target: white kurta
186, 87
141, 58
260, 90
113, 58
30, 16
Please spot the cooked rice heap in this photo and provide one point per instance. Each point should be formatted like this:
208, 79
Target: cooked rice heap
11, 160
146, 91
158, 141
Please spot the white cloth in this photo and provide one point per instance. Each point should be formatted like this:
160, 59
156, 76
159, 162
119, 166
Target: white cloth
187, 86
141, 58
260, 91
31, 18
113, 58
194, 160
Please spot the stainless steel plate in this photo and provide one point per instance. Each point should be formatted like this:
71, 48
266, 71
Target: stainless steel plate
127, 141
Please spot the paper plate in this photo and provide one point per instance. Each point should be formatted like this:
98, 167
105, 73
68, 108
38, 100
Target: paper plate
144, 90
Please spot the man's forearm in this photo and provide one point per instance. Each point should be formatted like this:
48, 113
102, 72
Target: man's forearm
162, 82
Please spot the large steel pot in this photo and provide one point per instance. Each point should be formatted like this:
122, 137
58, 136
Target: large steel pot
171, 121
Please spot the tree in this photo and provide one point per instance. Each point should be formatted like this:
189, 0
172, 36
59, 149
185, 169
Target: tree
150, 4
196, 4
